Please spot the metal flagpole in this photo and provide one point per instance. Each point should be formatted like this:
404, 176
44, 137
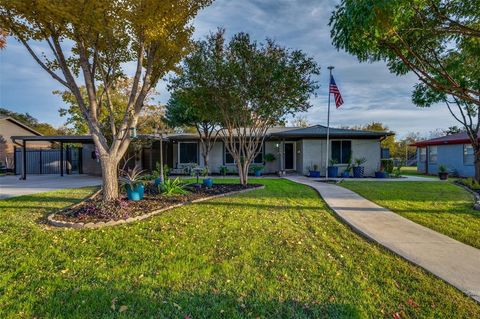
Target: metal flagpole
328, 123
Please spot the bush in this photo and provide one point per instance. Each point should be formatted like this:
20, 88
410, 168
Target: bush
387, 165
269, 157
470, 183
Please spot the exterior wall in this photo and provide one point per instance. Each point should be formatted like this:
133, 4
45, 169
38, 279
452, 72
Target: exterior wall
90, 166
313, 151
421, 166
450, 156
9, 129
299, 156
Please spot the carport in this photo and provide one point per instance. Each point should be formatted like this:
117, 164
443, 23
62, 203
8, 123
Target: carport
84, 139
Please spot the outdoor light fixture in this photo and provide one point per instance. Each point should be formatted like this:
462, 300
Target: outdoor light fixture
133, 132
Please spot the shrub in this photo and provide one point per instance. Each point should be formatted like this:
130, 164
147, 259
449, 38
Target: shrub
172, 187
269, 157
470, 183
360, 161
387, 165
256, 168
223, 170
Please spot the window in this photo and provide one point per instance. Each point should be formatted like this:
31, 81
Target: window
230, 160
341, 151
188, 152
432, 154
423, 154
468, 155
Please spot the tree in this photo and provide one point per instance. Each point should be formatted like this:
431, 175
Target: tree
300, 121
30, 121
452, 130
388, 142
253, 87
92, 41
189, 108
437, 40
3, 38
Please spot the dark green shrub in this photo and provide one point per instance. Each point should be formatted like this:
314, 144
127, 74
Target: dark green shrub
387, 165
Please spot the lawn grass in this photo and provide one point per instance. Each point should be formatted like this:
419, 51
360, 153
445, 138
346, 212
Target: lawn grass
412, 171
277, 252
443, 207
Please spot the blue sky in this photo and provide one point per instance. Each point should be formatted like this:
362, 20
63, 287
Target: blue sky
370, 92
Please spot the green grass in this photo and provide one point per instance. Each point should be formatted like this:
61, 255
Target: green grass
443, 207
412, 171
271, 253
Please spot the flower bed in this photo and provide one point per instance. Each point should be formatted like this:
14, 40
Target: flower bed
93, 212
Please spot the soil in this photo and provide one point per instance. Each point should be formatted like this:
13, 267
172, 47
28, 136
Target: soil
94, 210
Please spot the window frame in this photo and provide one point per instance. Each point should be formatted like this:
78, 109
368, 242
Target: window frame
340, 162
226, 152
422, 154
430, 153
465, 154
179, 153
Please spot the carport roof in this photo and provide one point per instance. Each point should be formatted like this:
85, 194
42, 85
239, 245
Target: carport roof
320, 131
55, 138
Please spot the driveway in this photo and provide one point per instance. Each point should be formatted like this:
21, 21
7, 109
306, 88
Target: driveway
11, 186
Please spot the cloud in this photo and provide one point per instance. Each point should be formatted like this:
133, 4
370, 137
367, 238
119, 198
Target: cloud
370, 91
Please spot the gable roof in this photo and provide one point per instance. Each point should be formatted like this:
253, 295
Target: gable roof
320, 131
17, 122
459, 138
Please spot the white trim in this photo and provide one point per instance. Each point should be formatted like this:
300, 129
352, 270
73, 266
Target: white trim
178, 153
294, 156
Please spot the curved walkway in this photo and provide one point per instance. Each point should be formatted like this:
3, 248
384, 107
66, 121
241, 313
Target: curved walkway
453, 261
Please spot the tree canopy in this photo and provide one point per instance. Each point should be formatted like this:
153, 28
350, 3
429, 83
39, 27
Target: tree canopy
30, 121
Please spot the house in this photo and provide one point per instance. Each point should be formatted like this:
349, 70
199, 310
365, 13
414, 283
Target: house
10, 127
454, 151
296, 150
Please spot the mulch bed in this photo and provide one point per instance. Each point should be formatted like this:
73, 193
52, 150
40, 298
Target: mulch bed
93, 210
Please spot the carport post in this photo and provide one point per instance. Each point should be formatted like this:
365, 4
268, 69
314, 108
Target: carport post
24, 160
61, 158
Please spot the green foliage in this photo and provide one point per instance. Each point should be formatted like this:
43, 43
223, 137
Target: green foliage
397, 171
131, 177
360, 161
171, 187
442, 168
387, 165
269, 157
333, 162
185, 262
256, 168
470, 183
223, 170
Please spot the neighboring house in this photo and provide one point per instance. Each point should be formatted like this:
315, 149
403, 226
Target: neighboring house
454, 151
10, 127
295, 150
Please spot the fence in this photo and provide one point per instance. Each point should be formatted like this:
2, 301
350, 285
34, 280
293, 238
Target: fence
47, 161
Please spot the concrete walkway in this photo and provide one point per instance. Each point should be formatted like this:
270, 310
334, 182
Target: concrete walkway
453, 261
11, 186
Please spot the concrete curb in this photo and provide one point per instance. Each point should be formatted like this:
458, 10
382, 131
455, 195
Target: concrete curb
64, 224
476, 206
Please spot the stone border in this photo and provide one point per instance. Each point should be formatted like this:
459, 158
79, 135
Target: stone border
64, 224
476, 205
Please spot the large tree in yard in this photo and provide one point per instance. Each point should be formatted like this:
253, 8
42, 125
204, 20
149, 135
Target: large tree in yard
252, 86
94, 42
438, 40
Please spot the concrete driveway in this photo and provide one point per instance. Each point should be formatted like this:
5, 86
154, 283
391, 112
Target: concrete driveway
11, 186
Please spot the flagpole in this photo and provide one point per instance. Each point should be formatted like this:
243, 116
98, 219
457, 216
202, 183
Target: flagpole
328, 123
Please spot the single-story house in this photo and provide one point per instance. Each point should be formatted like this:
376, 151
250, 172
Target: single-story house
454, 151
295, 150
11, 127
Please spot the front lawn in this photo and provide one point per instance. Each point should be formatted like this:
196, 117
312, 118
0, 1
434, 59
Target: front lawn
276, 252
412, 171
443, 207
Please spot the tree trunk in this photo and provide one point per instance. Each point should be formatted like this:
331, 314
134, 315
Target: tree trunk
205, 161
109, 178
243, 173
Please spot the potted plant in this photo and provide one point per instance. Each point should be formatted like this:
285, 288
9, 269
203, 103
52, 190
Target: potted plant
315, 172
332, 169
358, 169
133, 184
381, 172
346, 172
257, 170
443, 172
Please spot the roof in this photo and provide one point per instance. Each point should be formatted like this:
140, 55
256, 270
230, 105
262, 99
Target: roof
320, 131
192, 136
17, 122
459, 138
56, 138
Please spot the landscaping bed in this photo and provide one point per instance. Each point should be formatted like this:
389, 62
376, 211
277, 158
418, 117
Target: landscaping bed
93, 210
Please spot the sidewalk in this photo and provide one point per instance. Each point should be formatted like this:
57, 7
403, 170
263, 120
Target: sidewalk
452, 261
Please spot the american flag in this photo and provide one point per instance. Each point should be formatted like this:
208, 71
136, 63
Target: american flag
336, 92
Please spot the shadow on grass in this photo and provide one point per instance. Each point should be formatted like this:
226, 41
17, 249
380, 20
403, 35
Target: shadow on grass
166, 303
256, 205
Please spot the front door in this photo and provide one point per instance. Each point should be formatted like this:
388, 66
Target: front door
289, 156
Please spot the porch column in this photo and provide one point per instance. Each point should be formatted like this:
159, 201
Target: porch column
61, 158
282, 155
24, 160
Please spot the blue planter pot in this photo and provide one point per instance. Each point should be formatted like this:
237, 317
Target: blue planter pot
346, 174
140, 188
258, 173
332, 171
358, 171
380, 175
208, 182
157, 182
134, 194
313, 173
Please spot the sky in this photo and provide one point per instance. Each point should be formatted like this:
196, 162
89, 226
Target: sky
370, 91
